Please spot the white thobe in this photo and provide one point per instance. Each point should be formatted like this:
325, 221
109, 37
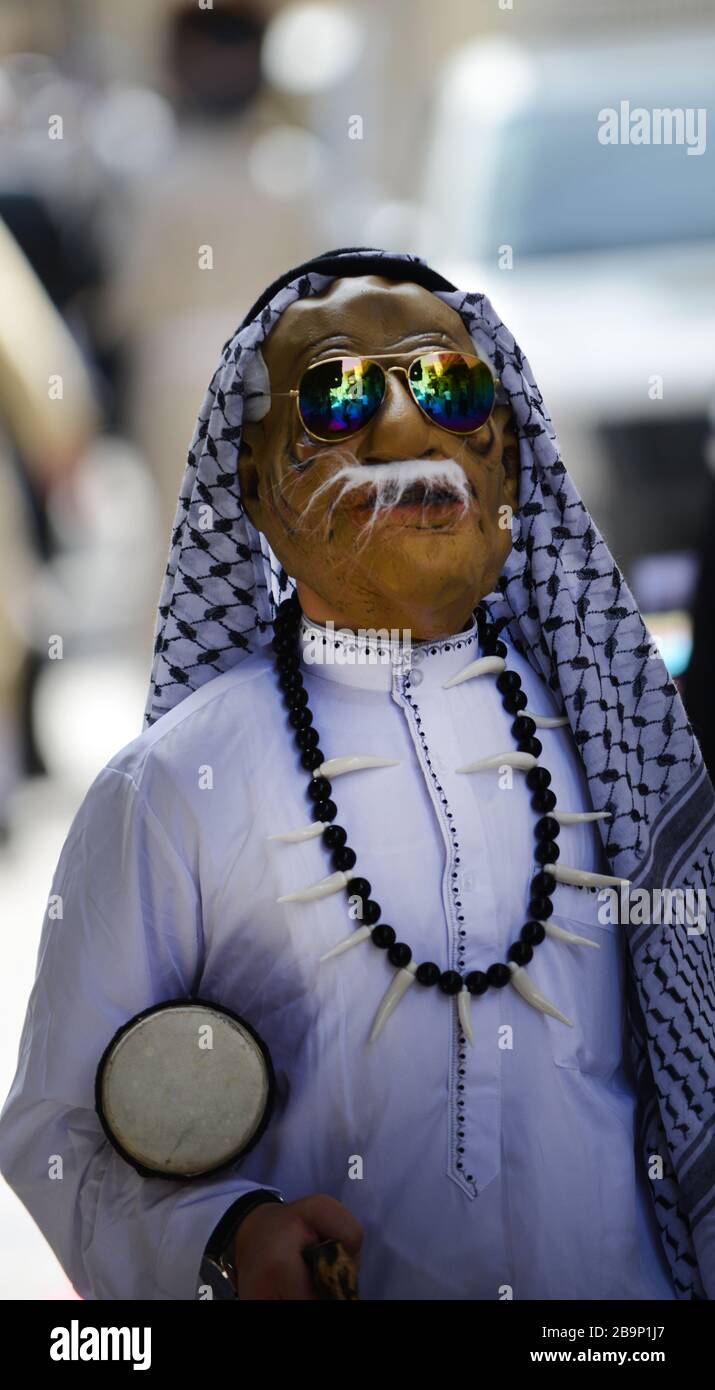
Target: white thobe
506, 1168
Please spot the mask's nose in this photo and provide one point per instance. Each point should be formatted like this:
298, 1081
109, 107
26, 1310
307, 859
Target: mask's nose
399, 429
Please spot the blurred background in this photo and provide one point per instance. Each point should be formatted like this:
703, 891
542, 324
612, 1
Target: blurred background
161, 163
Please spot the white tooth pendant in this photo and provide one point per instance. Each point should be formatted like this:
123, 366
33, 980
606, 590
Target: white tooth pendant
464, 1013
334, 767
570, 937
308, 832
528, 991
404, 977
353, 939
483, 666
547, 721
581, 878
578, 817
322, 889
522, 761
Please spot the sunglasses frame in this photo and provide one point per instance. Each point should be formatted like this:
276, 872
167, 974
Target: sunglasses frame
375, 357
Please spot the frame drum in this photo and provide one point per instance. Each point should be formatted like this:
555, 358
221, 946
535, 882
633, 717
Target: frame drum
184, 1089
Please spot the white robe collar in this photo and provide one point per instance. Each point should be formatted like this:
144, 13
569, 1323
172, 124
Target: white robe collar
366, 660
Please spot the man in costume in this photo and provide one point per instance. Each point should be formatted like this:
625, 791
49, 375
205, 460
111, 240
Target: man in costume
491, 1089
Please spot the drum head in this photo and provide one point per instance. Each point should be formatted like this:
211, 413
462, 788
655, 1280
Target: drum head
184, 1089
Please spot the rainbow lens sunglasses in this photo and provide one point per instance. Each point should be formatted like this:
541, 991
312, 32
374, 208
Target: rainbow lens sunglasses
340, 396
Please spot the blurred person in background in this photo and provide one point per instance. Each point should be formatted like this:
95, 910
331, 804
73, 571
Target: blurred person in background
48, 416
205, 229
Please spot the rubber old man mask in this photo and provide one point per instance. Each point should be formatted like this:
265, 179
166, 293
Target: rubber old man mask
421, 560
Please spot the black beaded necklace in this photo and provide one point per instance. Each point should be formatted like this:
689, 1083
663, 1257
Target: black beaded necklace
286, 650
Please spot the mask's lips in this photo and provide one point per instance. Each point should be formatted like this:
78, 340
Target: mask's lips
417, 494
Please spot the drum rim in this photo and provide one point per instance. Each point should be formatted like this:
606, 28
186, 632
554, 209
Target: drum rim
163, 1008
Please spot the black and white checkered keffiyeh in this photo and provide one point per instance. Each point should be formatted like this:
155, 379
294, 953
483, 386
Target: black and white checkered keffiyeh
564, 604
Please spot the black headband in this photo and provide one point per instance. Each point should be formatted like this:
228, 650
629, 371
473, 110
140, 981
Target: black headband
353, 260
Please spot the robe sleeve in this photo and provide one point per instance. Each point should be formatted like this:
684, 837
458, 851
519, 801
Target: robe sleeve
122, 931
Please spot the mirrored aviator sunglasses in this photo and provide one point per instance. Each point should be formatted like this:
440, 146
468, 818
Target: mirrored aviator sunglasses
340, 396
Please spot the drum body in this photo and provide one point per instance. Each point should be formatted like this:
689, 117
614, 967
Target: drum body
184, 1089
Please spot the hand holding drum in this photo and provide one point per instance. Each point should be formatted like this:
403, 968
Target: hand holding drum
185, 1089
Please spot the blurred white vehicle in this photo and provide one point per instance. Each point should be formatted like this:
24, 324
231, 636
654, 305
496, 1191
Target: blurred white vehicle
613, 278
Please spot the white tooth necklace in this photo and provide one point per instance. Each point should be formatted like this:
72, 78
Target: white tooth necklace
286, 650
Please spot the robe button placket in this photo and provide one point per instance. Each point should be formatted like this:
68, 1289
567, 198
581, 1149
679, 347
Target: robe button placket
405, 698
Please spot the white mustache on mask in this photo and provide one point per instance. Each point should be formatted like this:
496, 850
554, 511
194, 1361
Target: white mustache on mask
382, 486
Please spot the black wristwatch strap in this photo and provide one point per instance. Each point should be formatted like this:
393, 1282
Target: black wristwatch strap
217, 1251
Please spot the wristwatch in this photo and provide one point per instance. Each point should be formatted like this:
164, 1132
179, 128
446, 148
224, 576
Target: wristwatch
219, 1250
